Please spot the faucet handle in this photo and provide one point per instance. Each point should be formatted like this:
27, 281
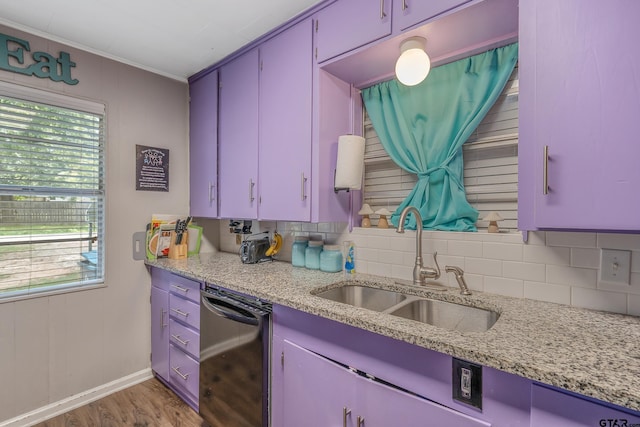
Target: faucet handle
435, 260
429, 272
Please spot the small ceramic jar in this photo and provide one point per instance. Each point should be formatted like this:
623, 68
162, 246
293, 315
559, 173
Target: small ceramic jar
312, 255
331, 259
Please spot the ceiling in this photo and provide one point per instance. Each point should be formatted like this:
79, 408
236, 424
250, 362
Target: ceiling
169, 37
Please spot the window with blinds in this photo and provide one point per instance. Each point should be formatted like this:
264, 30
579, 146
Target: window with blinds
51, 192
490, 165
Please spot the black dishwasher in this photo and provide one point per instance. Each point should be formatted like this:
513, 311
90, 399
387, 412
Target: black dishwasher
235, 332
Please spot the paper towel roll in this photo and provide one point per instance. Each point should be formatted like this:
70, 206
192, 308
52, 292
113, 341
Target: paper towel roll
350, 162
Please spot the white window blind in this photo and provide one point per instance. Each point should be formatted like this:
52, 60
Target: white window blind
51, 192
490, 165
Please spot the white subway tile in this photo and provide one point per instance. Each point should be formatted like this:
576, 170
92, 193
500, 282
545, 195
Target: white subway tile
390, 257
402, 272
562, 275
634, 305
514, 238
434, 245
524, 271
325, 227
379, 269
487, 267
559, 294
366, 254
632, 288
537, 238
635, 261
586, 258
599, 300
465, 248
445, 260
310, 227
503, 251
619, 241
547, 255
400, 243
504, 286
571, 239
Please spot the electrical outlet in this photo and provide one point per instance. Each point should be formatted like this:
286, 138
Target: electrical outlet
615, 266
466, 382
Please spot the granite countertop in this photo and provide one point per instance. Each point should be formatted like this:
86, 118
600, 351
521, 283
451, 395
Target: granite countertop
589, 352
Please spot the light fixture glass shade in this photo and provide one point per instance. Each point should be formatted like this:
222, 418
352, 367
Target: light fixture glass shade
413, 65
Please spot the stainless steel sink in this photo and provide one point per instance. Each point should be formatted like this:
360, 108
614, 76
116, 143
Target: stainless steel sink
364, 296
455, 317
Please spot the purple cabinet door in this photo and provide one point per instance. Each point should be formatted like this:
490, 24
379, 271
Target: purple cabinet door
578, 97
285, 125
550, 408
407, 13
203, 146
160, 332
238, 137
348, 24
316, 391
319, 393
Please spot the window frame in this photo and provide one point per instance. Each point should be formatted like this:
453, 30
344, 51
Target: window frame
99, 193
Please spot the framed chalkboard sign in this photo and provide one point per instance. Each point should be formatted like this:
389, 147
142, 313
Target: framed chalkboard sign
152, 168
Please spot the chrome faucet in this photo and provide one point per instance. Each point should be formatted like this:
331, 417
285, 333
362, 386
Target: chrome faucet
420, 273
459, 275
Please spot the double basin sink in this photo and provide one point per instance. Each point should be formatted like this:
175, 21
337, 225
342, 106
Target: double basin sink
443, 314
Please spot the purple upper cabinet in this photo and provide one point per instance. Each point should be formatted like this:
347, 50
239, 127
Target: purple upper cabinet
348, 24
203, 145
554, 408
285, 125
407, 13
579, 97
238, 137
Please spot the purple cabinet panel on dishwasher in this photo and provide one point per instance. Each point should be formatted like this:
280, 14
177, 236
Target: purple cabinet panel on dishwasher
203, 146
579, 109
550, 408
238, 137
407, 13
285, 125
348, 24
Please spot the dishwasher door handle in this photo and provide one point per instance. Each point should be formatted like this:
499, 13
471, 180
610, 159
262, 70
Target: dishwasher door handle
227, 311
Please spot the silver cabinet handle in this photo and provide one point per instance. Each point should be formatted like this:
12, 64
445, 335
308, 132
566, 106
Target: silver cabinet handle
545, 170
303, 194
162, 313
177, 338
180, 288
345, 412
360, 421
404, 5
180, 312
177, 371
251, 185
211, 193
382, 14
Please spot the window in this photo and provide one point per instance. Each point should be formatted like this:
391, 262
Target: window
51, 192
490, 165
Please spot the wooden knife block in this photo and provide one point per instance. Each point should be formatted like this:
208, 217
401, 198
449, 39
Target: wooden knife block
179, 251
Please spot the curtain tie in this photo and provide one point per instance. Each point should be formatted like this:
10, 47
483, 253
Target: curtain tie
453, 176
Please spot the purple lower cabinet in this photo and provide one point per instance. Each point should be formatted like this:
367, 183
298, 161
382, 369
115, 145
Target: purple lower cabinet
551, 408
160, 332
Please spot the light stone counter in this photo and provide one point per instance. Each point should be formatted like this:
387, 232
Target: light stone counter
589, 352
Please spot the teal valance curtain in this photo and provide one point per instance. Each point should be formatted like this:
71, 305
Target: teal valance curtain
423, 127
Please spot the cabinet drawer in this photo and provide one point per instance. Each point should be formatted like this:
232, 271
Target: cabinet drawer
186, 288
185, 311
185, 338
184, 372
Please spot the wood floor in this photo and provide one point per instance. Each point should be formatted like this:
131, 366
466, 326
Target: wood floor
148, 404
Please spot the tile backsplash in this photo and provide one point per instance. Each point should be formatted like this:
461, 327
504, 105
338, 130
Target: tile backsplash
560, 267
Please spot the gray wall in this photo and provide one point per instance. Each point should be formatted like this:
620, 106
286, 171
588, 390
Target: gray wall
58, 346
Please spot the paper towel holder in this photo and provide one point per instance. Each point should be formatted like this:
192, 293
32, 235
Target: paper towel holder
348, 173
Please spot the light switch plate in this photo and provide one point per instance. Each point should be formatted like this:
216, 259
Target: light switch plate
615, 266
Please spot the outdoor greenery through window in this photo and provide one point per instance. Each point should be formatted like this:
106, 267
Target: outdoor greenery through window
51, 193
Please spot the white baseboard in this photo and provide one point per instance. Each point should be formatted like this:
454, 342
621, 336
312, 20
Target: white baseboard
65, 405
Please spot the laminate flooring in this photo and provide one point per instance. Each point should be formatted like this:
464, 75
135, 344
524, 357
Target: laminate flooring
148, 404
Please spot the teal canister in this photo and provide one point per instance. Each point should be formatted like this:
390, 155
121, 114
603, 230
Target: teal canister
298, 251
331, 259
312, 255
